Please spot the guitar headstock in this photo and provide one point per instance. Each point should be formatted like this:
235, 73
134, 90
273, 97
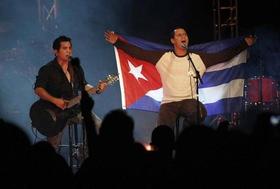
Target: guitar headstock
111, 78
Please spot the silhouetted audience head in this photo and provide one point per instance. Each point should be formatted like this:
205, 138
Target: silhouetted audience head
14, 147
117, 127
195, 143
118, 161
267, 125
223, 126
47, 168
163, 138
13, 138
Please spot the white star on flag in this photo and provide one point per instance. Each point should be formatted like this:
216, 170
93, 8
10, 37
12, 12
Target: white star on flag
136, 71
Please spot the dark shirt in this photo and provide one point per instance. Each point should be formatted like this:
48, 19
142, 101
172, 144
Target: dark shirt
52, 78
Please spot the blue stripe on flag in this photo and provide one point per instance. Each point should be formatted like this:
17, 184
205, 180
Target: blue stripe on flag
223, 106
147, 45
210, 47
216, 46
146, 103
211, 79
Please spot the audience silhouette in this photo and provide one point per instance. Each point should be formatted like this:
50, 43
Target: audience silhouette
14, 148
201, 157
47, 168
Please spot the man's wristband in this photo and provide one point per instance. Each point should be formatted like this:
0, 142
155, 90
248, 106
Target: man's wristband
98, 91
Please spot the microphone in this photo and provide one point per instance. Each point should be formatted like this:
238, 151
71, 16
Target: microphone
185, 46
70, 58
74, 60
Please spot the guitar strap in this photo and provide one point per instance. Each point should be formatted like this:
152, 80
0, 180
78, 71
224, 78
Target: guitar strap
77, 71
71, 71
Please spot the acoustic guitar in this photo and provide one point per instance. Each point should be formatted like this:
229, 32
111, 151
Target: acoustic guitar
49, 120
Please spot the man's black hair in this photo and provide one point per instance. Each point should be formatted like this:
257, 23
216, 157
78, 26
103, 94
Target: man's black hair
172, 33
57, 41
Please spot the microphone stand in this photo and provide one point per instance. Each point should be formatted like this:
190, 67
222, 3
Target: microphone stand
197, 77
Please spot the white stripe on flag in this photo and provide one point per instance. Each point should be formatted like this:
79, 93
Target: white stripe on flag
156, 94
120, 78
238, 59
227, 90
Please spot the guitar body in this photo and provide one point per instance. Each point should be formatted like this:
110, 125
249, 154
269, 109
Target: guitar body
48, 119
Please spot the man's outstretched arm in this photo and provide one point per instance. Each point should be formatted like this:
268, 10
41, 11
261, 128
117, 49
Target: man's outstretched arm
147, 55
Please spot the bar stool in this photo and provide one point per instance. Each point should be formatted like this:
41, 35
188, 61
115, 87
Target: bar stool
178, 129
77, 146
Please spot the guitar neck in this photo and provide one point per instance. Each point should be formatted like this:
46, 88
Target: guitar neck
76, 100
92, 91
109, 80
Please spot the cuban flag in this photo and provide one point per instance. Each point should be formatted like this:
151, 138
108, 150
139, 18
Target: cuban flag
141, 89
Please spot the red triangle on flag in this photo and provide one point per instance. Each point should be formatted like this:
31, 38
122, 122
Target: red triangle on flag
135, 88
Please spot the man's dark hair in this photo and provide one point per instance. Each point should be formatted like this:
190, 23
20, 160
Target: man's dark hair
57, 41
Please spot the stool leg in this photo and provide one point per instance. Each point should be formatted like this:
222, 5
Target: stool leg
70, 146
76, 146
177, 127
84, 142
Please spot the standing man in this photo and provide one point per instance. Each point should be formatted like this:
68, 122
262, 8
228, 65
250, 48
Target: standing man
178, 74
61, 80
